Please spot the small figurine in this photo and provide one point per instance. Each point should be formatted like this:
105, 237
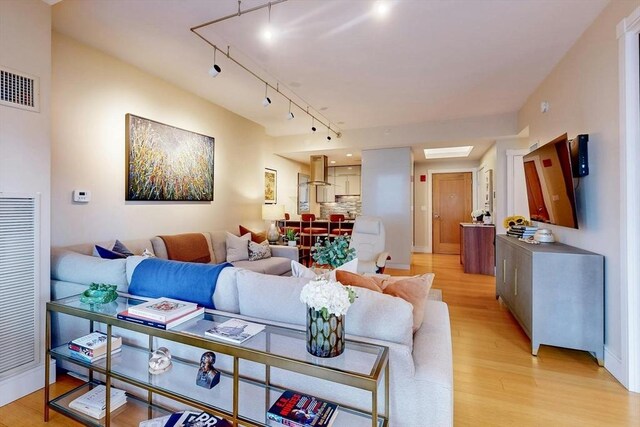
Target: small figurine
160, 361
208, 376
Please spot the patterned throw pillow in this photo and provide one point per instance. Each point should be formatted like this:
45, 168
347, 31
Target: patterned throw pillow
259, 251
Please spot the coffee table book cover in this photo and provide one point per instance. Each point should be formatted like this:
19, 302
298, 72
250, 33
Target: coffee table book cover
299, 410
235, 330
162, 309
94, 402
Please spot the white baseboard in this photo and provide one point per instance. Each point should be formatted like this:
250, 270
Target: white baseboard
422, 249
614, 365
398, 266
19, 385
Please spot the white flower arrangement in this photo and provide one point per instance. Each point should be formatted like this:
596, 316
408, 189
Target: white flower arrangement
328, 296
478, 212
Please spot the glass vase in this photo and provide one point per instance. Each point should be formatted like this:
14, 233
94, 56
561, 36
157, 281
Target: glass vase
325, 334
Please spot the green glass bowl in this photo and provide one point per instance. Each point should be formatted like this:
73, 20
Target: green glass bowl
99, 294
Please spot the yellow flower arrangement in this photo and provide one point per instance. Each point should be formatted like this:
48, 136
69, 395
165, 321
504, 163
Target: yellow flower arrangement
515, 220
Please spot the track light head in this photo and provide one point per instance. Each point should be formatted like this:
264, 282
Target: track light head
313, 129
290, 116
215, 70
266, 101
328, 137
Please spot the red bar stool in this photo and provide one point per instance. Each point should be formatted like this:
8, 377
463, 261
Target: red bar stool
286, 227
338, 231
310, 234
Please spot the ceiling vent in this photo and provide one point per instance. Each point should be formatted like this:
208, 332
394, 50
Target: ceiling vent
19, 90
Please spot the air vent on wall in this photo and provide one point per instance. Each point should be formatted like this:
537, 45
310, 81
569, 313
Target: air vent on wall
19, 90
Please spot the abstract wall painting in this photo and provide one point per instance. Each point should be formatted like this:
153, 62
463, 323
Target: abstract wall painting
165, 163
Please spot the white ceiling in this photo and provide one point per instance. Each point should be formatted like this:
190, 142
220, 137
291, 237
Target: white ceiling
426, 61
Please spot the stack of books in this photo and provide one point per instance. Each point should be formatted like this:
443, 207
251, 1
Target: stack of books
186, 419
92, 347
521, 231
299, 410
162, 313
94, 402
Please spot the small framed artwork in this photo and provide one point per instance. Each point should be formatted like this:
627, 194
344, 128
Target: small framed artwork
270, 186
488, 190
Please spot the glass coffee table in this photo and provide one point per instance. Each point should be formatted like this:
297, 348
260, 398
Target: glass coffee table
253, 374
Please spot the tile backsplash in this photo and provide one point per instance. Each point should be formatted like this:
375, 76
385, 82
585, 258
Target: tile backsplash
350, 206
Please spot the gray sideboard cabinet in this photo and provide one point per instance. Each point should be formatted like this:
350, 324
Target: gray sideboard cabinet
555, 292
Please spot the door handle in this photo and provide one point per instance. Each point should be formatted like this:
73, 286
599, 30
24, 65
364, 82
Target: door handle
436, 216
504, 271
516, 282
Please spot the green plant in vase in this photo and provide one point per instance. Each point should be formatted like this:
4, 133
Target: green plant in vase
291, 236
333, 252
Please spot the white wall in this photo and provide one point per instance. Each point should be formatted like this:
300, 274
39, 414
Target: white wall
583, 95
386, 193
25, 46
501, 183
92, 92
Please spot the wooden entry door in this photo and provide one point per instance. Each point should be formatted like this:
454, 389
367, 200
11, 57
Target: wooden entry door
452, 201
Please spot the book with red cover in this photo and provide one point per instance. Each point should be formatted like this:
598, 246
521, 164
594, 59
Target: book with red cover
126, 315
295, 409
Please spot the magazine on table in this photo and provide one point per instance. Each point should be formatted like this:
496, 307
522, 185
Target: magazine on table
94, 402
195, 419
235, 330
162, 309
295, 409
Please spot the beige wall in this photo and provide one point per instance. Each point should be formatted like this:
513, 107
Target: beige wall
583, 94
92, 92
25, 46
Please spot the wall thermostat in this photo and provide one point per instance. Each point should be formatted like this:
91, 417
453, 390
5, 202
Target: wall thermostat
81, 196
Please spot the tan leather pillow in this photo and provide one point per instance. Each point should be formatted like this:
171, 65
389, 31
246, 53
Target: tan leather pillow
352, 279
255, 237
415, 291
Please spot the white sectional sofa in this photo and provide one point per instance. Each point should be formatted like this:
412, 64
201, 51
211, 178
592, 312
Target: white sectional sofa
421, 373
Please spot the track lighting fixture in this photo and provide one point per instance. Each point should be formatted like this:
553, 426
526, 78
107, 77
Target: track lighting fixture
290, 115
266, 101
215, 70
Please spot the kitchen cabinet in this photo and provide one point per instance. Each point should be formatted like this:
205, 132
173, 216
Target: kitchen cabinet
555, 292
347, 181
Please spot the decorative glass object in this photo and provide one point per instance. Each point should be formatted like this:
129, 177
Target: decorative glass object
99, 294
325, 333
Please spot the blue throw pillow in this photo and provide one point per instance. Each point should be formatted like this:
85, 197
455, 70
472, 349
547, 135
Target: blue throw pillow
185, 281
108, 254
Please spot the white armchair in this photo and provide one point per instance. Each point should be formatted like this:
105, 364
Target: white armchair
368, 241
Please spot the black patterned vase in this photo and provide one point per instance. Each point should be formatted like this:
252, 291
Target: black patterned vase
325, 335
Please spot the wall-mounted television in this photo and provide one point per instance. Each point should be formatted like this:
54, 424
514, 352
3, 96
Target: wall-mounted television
549, 180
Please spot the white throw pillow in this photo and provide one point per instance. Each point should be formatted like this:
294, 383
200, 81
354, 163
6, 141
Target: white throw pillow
238, 247
299, 270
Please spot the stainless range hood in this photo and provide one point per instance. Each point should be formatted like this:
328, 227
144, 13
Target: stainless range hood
318, 167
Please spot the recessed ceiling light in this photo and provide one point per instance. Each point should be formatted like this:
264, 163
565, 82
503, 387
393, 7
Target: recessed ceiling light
324, 108
333, 162
381, 8
443, 153
340, 123
349, 154
295, 84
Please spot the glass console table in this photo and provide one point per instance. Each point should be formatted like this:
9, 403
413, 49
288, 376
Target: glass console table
248, 385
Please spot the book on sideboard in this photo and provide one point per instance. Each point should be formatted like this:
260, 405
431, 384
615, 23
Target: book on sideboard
295, 409
126, 315
94, 345
84, 358
162, 309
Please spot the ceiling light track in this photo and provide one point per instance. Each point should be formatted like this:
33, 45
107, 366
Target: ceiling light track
276, 88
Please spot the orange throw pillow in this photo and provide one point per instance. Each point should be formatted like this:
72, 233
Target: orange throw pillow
414, 290
352, 279
255, 237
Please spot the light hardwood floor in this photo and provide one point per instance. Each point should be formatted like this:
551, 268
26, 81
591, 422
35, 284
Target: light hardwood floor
497, 381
